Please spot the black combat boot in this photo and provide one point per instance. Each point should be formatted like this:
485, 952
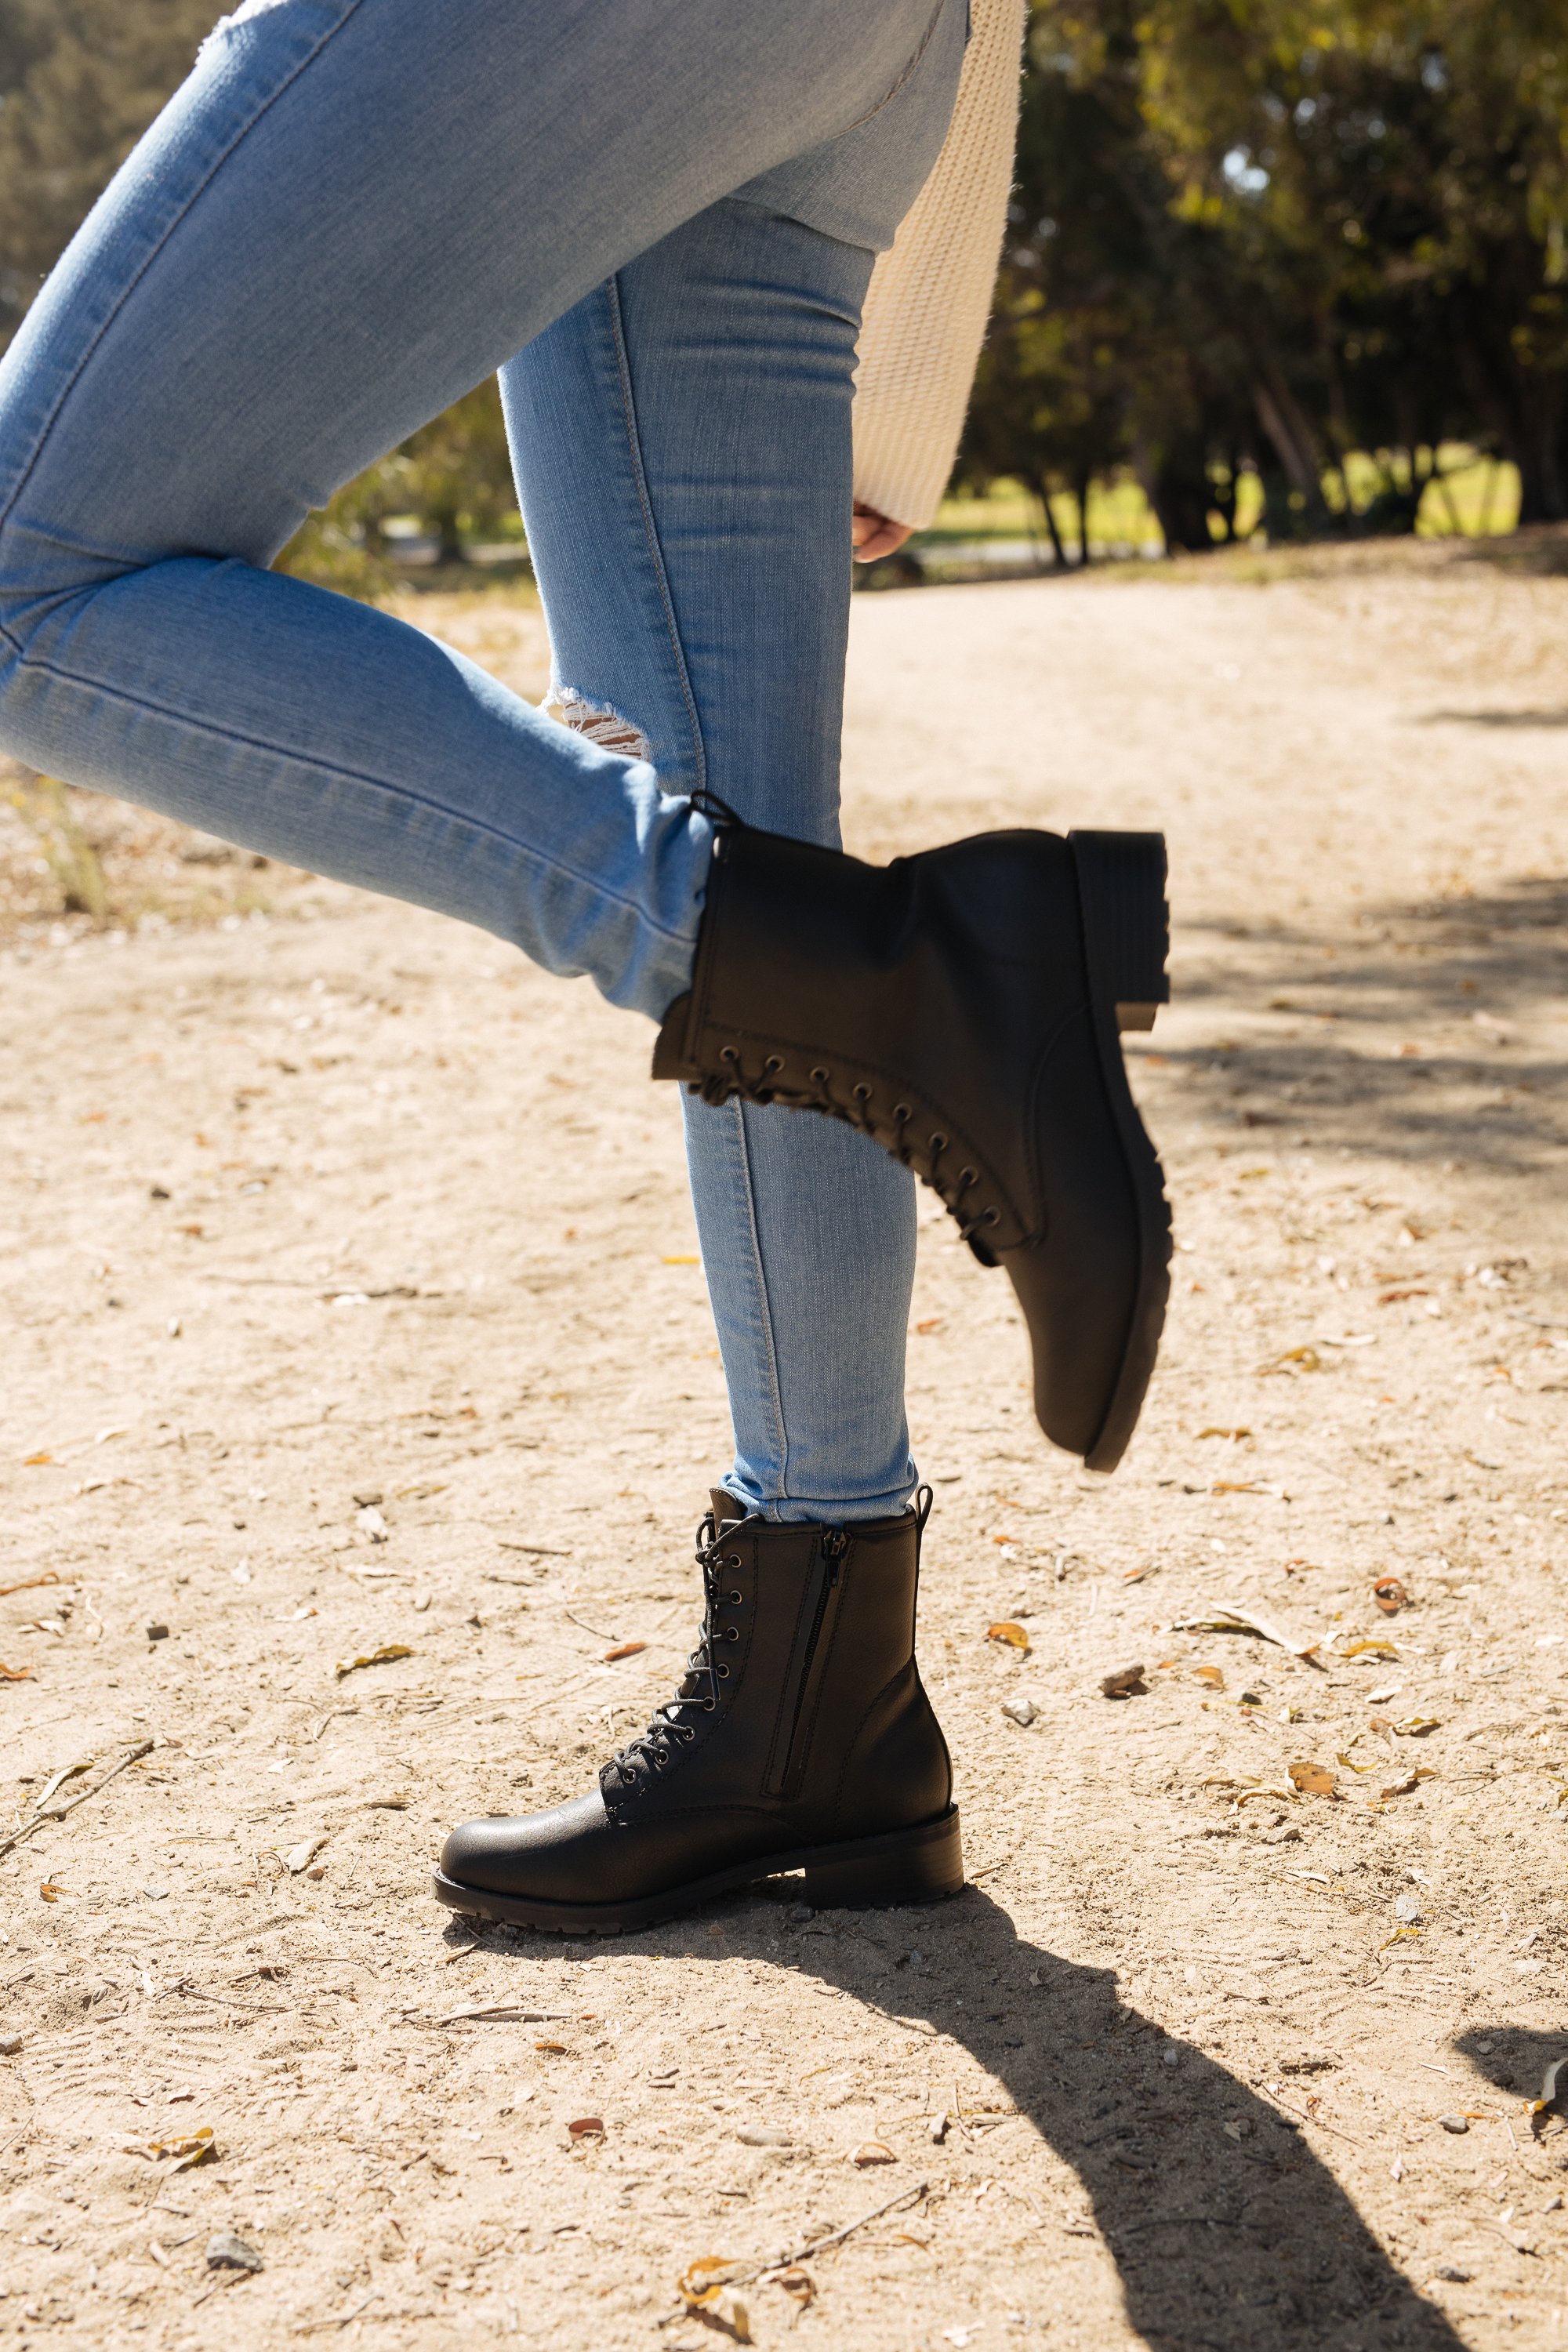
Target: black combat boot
800, 1739
962, 1008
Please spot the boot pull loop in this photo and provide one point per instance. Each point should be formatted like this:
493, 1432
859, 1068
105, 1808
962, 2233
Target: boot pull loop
924, 1498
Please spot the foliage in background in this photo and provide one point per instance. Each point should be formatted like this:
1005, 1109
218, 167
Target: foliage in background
45, 808
1275, 232
79, 81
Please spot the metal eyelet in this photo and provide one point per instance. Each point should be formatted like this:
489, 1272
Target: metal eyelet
733, 1560
902, 1110
728, 1054
723, 1673
992, 1217
707, 1706
968, 1176
937, 1142
733, 1634
862, 1092
820, 1076
774, 1062
736, 1600
658, 1757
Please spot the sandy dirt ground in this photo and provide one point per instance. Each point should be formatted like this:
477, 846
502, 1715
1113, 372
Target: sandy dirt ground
350, 1303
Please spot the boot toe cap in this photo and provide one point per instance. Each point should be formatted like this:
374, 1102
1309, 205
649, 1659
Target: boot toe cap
545, 1855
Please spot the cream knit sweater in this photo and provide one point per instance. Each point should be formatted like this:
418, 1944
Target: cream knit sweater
931, 293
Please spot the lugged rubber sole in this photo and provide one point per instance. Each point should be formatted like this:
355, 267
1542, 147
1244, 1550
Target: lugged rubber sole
1126, 930
924, 1864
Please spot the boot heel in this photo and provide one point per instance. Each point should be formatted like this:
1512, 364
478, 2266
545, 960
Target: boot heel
919, 1866
1127, 924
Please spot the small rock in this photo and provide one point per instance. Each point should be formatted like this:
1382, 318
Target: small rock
1553, 2204
300, 1857
227, 2253
1021, 1710
798, 1914
9, 2044
1126, 1681
1455, 2123
1408, 1909
765, 2136
370, 1523
937, 2130
1453, 2273
157, 1632
156, 1893
872, 2151
1170, 2055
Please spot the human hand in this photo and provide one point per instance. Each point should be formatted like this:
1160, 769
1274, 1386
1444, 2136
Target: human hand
874, 535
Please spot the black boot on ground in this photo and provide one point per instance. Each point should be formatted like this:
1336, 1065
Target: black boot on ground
801, 1739
963, 1007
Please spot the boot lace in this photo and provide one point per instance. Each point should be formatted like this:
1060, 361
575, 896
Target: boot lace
673, 1726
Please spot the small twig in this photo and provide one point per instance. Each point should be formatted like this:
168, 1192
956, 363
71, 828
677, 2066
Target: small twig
59, 1812
597, 1630
49, 1576
1316, 2123
540, 1551
340, 2319
835, 2238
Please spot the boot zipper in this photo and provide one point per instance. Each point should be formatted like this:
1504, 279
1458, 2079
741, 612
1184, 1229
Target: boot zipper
834, 1544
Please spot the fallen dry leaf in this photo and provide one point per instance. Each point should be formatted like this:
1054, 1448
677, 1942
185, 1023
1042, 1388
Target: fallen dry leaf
624, 1650
15, 1674
797, 2282
1224, 1617
704, 2287
1126, 1681
381, 1657
194, 2147
50, 1892
1311, 1779
1367, 1650
30, 1583
587, 2127
1549, 2080
1402, 1788
1301, 1360
34, 1460
1224, 1433
1274, 1792
1014, 1635
872, 2151
1210, 1674
1389, 1594
1416, 1727
551, 2049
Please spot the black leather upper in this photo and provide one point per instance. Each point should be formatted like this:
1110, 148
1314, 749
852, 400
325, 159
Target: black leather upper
819, 1730
949, 1004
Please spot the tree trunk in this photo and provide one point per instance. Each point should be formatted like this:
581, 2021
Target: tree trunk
1042, 491
1080, 492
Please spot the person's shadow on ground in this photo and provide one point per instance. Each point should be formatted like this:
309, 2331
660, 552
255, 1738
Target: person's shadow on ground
1225, 2227
1228, 2231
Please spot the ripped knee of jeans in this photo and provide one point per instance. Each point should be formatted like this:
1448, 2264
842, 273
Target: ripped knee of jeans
598, 720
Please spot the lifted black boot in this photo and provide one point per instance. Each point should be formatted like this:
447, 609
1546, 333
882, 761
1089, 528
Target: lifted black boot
962, 1008
801, 1739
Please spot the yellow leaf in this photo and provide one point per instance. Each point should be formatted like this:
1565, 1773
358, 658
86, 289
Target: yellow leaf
1367, 1650
1014, 1635
1311, 1779
1416, 1727
195, 2147
381, 1657
872, 2151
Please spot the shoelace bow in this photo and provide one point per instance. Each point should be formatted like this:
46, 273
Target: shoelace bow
655, 1743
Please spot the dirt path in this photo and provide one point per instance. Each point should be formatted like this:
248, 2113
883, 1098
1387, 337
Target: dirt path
349, 1290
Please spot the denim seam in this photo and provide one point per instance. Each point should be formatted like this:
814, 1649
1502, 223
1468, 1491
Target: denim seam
781, 1437
650, 526
205, 726
872, 111
130, 285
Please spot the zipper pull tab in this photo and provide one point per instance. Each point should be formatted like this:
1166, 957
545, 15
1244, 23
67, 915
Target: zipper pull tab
834, 1544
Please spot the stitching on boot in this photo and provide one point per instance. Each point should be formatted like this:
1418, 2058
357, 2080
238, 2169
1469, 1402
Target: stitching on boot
599, 722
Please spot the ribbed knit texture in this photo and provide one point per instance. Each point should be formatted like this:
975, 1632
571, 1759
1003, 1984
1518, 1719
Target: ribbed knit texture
931, 293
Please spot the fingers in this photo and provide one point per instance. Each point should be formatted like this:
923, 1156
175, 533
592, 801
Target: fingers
873, 535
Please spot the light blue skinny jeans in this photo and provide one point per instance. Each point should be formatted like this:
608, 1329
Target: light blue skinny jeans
353, 211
